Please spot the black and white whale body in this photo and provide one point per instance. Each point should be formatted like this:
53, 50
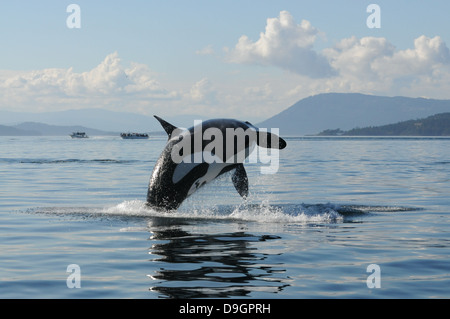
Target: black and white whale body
195, 156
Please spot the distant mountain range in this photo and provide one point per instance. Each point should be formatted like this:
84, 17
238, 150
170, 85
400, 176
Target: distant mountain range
13, 131
308, 116
103, 120
38, 129
349, 110
435, 125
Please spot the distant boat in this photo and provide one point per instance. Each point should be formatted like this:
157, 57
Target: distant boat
79, 135
133, 136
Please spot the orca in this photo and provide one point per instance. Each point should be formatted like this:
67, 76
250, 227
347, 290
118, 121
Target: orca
195, 156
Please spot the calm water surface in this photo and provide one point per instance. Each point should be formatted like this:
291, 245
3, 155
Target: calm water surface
335, 206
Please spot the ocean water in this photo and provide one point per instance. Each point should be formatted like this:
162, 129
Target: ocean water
342, 218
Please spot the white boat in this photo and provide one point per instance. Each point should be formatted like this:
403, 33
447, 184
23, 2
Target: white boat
79, 135
133, 136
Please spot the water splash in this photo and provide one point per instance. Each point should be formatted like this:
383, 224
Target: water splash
263, 212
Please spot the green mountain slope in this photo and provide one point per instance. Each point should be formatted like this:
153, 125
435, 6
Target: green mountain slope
435, 125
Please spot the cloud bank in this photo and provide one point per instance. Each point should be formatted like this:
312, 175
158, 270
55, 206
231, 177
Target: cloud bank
107, 79
371, 65
110, 84
367, 64
376, 58
290, 46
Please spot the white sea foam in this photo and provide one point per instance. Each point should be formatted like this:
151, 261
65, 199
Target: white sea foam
288, 213
263, 212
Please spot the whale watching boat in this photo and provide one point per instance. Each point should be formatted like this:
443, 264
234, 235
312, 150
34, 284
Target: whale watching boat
79, 135
133, 136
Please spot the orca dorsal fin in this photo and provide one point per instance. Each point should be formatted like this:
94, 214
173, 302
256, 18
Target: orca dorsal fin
169, 128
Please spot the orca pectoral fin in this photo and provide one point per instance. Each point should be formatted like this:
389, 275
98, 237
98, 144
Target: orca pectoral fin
240, 180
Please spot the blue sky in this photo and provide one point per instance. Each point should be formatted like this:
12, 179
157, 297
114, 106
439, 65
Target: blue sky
217, 58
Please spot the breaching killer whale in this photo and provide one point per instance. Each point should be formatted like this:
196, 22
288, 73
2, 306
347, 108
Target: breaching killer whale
172, 181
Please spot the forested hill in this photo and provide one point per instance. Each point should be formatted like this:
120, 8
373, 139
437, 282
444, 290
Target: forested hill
435, 125
349, 110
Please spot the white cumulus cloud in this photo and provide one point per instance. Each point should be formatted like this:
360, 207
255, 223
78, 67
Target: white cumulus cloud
208, 50
284, 44
109, 81
372, 64
203, 92
371, 57
355, 57
366, 64
427, 55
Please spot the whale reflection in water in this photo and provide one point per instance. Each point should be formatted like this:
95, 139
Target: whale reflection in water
213, 265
